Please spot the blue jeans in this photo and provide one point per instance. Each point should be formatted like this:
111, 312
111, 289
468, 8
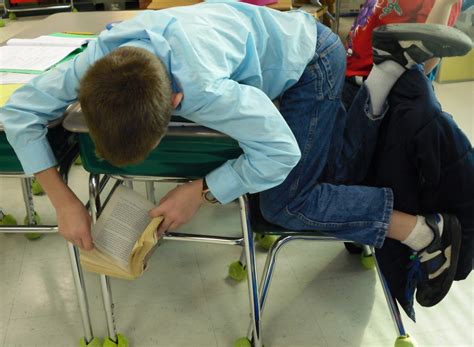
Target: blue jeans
337, 147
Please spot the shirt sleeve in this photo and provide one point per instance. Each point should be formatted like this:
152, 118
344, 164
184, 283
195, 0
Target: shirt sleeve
28, 111
270, 149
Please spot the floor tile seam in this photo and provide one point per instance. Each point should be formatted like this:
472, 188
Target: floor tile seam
15, 296
203, 289
206, 298
50, 314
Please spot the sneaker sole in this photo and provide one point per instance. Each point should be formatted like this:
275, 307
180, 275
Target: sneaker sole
453, 224
440, 40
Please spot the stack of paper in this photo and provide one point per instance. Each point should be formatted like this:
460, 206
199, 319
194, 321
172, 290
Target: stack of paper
49, 40
22, 57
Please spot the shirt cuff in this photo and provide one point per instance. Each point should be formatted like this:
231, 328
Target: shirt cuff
225, 184
30, 155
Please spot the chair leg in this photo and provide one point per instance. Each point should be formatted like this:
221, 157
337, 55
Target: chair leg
267, 274
237, 268
366, 251
403, 338
251, 272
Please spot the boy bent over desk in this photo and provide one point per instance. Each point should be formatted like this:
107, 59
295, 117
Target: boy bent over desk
221, 65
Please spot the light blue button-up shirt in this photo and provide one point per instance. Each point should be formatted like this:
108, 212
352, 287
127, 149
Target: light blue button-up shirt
229, 60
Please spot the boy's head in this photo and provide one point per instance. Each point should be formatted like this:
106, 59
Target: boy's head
126, 100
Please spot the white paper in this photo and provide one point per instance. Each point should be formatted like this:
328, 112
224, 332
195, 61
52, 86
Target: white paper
15, 78
48, 40
38, 58
121, 223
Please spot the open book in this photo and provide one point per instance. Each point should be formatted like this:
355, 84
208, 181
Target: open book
39, 54
124, 236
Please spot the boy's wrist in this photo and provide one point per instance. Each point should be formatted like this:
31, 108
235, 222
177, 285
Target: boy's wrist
207, 194
58, 192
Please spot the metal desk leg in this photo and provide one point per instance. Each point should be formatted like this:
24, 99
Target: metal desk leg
95, 207
251, 271
79, 282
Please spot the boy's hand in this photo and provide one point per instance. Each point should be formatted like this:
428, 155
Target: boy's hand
74, 224
178, 206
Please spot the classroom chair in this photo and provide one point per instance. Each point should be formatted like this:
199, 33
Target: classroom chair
185, 153
260, 226
66, 149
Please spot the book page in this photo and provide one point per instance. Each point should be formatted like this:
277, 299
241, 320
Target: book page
36, 58
120, 225
98, 262
48, 40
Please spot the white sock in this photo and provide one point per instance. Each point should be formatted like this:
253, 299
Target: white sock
422, 235
380, 81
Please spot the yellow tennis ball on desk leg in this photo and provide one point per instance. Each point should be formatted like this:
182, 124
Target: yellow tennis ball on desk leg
265, 241
95, 342
36, 188
7, 219
2, 23
36, 221
242, 342
122, 341
78, 161
11, 16
237, 271
405, 341
368, 261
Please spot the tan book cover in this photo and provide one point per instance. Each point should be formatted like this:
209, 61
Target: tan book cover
124, 237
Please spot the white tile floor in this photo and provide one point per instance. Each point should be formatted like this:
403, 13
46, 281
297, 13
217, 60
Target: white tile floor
320, 295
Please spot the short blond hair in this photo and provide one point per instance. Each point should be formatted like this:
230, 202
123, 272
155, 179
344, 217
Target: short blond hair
126, 101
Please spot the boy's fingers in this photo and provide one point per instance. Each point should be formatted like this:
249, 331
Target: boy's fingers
174, 226
87, 244
163, 226
78, 243
155, 212
159, 235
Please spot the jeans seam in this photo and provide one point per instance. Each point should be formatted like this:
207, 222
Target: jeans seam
387, 213
322, 39
329, 49
319, 82
304, 155
329, 76
328, 71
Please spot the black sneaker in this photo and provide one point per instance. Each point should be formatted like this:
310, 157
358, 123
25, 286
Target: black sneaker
433, 268
414, 43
